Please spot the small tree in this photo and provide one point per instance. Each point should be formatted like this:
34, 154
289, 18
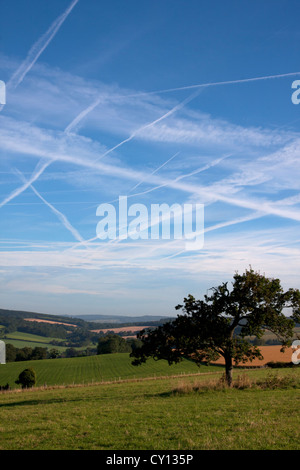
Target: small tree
27, 378
39, 353
53, 353
112, 344
24, 354
11, 353
217, 326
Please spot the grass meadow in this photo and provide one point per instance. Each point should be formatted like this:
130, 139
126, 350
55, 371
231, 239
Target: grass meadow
21, 340
106, 367
196, 412
168, 414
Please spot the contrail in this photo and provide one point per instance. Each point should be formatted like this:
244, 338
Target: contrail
142, 193
91, 107
19, 75
150, 124
38, 48
81, 116
210, 84
186, 175
213, 163
253, 216
59, 214
155, 171
203, 168
133, 175
68, 128
26, 184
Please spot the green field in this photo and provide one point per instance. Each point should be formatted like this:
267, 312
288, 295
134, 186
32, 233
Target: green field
21, 340
90, 369
21, 336
108, 404
147, 415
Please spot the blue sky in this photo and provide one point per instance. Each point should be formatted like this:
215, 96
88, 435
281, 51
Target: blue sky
164, 102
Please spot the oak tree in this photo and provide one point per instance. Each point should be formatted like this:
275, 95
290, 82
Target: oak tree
219, 325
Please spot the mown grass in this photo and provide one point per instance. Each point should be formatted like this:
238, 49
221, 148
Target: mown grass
148, 415
22, 336
21, 340
90, 369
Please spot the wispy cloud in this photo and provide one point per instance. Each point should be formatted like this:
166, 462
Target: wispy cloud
38, 48
59, 214
263, 248
40, 168
151, 124
82, 115
208, 193
155, 171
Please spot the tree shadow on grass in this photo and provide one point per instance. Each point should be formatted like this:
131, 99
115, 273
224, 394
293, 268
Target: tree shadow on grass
37, 402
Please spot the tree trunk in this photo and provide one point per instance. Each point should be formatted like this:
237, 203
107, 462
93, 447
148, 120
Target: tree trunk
228, 370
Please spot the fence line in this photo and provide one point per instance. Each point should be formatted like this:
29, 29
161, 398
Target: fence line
118, 380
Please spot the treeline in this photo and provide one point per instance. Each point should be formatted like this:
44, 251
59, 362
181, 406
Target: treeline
265, 342
8, 317
116, 344
12, 324
80, 337
77, 336
47, 330
19, 315
69, 335
127, 325
14, 354
106, 345
125, 333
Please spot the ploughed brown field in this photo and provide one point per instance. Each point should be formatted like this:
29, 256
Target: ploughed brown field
104, 330
49, 321
270, 353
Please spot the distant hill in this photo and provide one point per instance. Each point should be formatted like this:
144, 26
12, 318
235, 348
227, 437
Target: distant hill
23, 329
21, 314
17, 320
122, 319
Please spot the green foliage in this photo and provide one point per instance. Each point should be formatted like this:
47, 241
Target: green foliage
27, 378
280, 365
53, 353
219, 324
43, 329
71, 352
134, 343
113, 344
39, 353
11, 353
24, 354
15, 321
